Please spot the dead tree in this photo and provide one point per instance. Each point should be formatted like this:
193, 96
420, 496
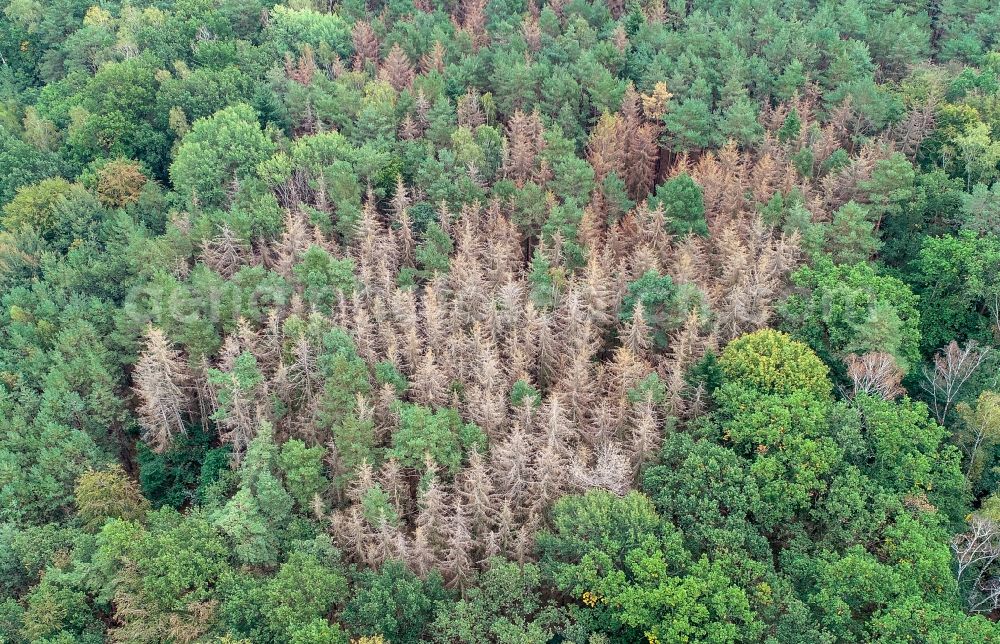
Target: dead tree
953, 366
976, 551
163, 383
875, 373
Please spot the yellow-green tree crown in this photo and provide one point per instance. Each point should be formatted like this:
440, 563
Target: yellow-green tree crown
775, 363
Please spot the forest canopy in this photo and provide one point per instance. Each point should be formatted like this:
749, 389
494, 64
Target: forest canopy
512, 321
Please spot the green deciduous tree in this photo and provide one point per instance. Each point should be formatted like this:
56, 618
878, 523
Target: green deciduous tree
631, 569
854, 309
505, 606
959, 295
294, 604
773, 363
394, 603
167, 572
219, 153
22, 164
324, 279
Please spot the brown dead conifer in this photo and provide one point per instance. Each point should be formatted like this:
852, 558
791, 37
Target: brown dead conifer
433, 61
605, 149
164, 385
524, 142
225, 253
365, 45
470, 113
397, 69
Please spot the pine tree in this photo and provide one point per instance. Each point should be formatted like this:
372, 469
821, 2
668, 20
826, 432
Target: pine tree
348, 529
404, 306
636, 334
458, 563
433, 61
550, 477
645, 433
532, 33
239, 391
510, 465
640, 158
423, 558
303, 69
610, 471
470, 114
408, 129
294, 242
393, 482
473, 20
576, 388
432, 515
364, 480
108, 494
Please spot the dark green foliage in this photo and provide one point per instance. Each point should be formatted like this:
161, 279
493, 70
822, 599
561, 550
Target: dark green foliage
705, 490
835, 515
386, 373
175, 477
901, 448
324, 279
544, 279
691, 126
505, 606
665, 305
179, 558
791, 128
564, 222
707, 373
850, 237
956, 280
523, 392
220, 152
302, 468
614, 192
682, 204
854, 309
432, 253
43, 491
393, 602
612, 553
21, 165
292, 605
439, 434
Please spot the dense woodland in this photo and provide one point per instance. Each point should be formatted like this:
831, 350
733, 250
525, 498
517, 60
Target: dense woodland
467, 321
